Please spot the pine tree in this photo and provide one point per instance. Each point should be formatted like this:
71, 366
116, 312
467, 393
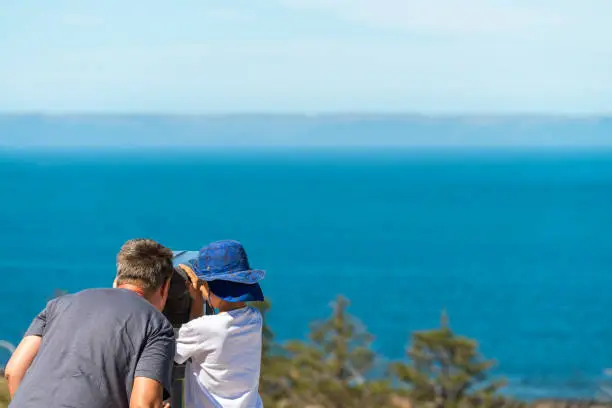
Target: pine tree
4, 394
448, 370
267, 333
330, 370
345, 344
273, 383
58, 293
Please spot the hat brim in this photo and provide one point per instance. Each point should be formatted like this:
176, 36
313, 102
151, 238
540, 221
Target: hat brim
236, 292
250, 276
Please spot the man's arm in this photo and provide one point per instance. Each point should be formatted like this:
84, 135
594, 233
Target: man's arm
27, 350
146, 393
20, 362
153, 373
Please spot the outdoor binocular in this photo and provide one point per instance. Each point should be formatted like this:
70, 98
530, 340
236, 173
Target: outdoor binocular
178, 304
177, 310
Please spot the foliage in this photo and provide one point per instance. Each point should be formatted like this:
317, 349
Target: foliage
344, 344
328, 371
274, 363
59, 293
4, 393
267, 333
331, 369
448, 371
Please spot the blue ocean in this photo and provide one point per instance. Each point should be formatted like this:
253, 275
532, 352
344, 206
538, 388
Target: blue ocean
515, 246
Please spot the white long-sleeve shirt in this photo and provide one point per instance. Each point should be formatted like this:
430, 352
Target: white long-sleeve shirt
224, 359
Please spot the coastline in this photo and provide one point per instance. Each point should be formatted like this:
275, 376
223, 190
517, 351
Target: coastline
403, 402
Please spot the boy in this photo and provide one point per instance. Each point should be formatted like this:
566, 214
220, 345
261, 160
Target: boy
223, 350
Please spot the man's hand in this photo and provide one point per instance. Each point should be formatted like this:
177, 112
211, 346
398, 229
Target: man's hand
20, 362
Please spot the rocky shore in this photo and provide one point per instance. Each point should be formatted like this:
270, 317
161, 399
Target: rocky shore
559, 403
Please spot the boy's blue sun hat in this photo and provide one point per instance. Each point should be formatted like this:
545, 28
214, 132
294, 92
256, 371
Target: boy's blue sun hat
225, 266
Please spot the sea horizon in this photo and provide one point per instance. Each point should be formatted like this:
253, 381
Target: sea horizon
305, 131
314, 114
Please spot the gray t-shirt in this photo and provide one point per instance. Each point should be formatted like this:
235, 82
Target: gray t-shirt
94, 343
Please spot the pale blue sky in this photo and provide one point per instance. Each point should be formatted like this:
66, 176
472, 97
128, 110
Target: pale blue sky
428, 56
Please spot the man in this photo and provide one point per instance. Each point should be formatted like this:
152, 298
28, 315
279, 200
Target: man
101, 348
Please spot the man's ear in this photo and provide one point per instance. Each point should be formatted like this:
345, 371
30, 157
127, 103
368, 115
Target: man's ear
115, 283
165, 288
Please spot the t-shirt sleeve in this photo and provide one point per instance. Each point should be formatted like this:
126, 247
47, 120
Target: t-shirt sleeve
39, 324
156, 359
187, 343
198, 337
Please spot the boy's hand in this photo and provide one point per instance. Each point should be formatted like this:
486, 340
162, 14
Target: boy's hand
204, 290
198, 291
193, 284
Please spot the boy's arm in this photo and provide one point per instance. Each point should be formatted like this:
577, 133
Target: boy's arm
187, 343
197, 308
198, 291
197, 303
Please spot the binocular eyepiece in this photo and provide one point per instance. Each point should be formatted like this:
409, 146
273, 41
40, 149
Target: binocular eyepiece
178, 305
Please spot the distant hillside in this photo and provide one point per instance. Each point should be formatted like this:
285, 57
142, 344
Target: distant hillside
303, 130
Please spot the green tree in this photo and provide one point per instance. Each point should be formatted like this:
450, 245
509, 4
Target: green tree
330, 370
58, 293
447, 370
344, 343
274, 385
267, 333
4, 394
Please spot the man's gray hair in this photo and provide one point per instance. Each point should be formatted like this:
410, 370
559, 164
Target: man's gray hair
144, 263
